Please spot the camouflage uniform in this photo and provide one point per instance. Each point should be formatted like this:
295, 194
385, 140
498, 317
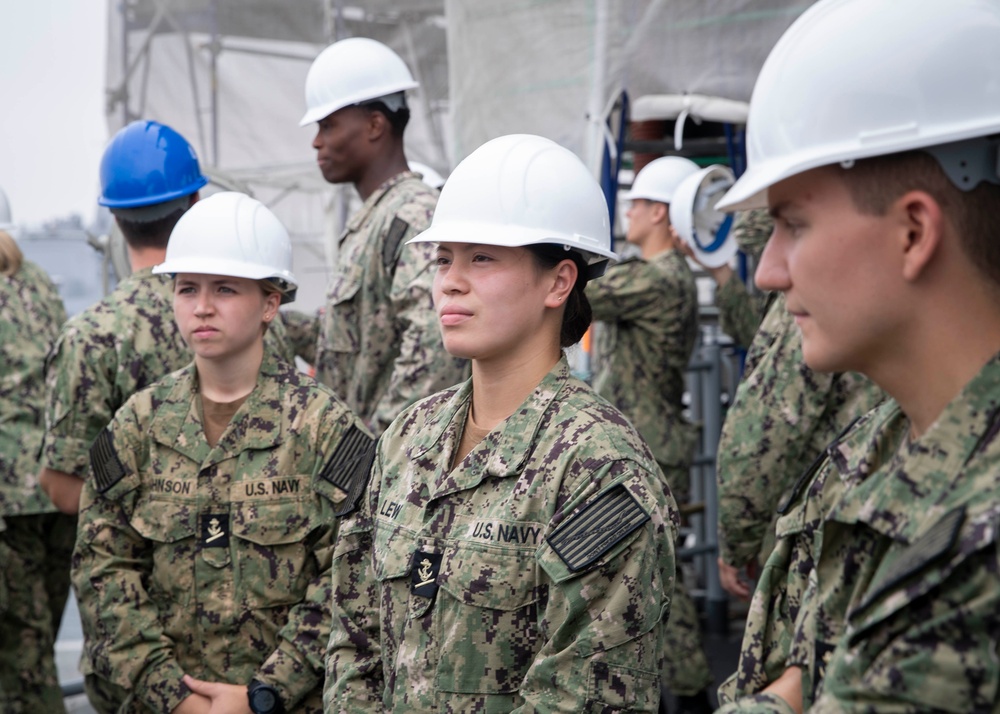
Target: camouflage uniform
782, 417
301, 335
649, 315
534, 576
740, 312
37, 541
215, 561
900, 582
108, 353
380, 345
104, 355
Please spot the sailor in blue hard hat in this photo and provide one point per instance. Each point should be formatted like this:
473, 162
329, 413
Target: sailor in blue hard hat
149, 177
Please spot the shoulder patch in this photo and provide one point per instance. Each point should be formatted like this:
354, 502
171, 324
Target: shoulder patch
390, 249
928, 548
597, 528
108, 468
349, 466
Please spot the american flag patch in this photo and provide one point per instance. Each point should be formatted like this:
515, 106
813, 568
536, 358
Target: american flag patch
597, 528
108, 468
349, 466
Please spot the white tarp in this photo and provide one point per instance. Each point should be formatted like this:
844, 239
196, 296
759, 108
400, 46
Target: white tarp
230, 74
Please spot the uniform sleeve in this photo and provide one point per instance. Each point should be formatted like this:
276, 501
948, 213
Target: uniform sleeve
79, 392
609, 598
302, 333
763, 703
783, 417
111, 564
740, 313
628, 291
297, 665
422, 367
354, 676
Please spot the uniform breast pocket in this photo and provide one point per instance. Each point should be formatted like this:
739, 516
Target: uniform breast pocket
488, 612
344, 312
273, 549
170, 526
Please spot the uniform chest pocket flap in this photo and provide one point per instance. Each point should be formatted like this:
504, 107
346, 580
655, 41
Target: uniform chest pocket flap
949, 551
344, 312
274, 549
170, 526
488, 611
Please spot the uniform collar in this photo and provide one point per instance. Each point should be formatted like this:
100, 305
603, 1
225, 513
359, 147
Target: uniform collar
178, 424
502, 453
359, 218
916, 482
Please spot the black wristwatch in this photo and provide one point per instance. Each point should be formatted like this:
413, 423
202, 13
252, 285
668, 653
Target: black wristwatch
264, 698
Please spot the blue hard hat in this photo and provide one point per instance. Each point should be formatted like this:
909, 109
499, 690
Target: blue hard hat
148, 163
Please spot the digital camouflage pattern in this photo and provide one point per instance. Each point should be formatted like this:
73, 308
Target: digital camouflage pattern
31, 314
740, 311
109, 352
380, 346
900, 586
648, 313
36, 541
487, 587
214, 561
34, 564
783, 416
301, 335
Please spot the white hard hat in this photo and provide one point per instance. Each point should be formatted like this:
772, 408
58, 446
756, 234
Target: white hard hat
234, 235
851, 79
354, 70
695, 216
659, 179
6, 222
522, 190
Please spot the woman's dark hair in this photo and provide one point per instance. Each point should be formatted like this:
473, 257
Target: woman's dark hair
578, 315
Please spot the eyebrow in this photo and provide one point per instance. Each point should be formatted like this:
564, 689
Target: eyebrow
779, 208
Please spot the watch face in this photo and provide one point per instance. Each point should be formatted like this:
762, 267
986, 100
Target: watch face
264, 701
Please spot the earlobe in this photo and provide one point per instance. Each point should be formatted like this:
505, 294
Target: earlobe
565, 278
923, 225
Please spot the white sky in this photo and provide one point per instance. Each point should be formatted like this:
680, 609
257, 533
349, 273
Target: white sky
52, 127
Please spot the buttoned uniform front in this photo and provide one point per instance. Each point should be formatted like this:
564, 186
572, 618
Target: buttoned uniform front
648, 313
214, 561
36, 547
505, 623
380, 346
901, 604
783, 416
106, 354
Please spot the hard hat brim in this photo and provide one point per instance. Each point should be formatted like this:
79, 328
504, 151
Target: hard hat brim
510, 236
153, 200
219, 266
325, 110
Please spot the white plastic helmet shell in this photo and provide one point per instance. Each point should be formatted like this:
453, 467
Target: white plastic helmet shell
230, 234
520, 190
659, 179
695, 216
350, 71
6, 221
852, 79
